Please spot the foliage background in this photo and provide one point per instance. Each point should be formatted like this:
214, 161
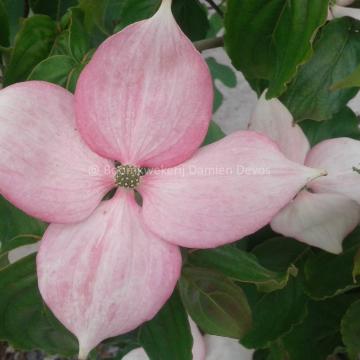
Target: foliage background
279, 296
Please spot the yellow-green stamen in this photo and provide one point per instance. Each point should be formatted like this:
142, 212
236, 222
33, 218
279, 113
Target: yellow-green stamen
127, 176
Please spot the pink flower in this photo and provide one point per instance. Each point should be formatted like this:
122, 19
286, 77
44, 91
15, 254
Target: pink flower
340, 9
328, 208
145, 100
208, 347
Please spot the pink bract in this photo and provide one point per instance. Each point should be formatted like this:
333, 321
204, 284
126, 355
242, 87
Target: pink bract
325, 213
145, 99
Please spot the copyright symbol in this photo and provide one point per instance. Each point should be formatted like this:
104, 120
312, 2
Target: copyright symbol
93, 170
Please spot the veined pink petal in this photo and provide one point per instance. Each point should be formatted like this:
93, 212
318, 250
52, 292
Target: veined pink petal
222, 348
228, 190
341, 158
146, 96
273, 119
341, 11
45, 167
321, 220
198, 349
108, 274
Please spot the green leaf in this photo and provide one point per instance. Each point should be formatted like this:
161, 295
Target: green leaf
79, 41
280, 253
17, 228
168, 333
275, 313
222, 73
293, 37
350, 330
137, 10
55, 69
54, 8
270, 39
215, 303
32, 44
14, 10
353, 80
327, 275
189, 14
345, 123
4, 26
192, 18
241, 266
318, 335
337, 54
102, 15
214, 134
24, 320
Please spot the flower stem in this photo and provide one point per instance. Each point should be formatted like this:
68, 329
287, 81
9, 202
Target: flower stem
205, 44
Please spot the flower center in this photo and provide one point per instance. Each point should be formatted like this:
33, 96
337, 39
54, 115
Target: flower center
127, 176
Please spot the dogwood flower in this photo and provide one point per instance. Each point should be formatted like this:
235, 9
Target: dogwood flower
143, 101
341, 9
207, 347
328, 209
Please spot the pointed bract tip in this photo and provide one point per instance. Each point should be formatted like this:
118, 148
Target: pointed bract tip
166, 4
165, 7
83, 352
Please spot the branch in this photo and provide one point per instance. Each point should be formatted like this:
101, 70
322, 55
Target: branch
206, 44
215, 7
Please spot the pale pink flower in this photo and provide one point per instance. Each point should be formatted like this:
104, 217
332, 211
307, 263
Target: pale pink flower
341, 8
207, 347
145, 99
328, 208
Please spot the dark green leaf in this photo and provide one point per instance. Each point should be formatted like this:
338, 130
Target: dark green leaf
168, 333
24, 320
318, 335
4, 26
215, 303
279, 253
33, 44
53, 8
270, 39
353, 80
350, 330
337, 54
137, 10
296, 28
102, 14
55, 69
192, 18
17, 228
61, 44
328, 275
14, 10
345, 123
214, 134
189, 14
79, 42
275, 313
241, 266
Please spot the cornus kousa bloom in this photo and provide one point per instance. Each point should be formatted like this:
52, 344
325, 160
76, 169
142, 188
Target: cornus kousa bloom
328, 209
341, 8
208, 347
143, 101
